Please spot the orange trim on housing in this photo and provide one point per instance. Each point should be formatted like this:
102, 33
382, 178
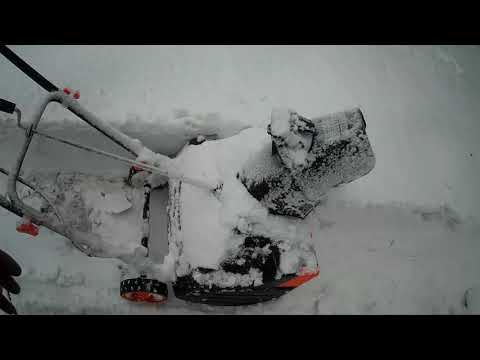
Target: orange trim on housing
299, 280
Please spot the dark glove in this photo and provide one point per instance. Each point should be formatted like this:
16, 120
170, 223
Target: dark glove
8, 268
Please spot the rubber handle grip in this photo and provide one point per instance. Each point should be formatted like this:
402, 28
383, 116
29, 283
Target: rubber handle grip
7, 106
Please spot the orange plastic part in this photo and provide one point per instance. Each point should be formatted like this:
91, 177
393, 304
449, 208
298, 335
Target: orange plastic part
28, 228
138, 168
68, 91
144, 296
299, 280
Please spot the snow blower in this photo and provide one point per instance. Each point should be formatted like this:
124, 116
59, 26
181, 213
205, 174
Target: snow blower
231, 208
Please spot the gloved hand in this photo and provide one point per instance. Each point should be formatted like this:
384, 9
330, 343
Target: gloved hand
8, 268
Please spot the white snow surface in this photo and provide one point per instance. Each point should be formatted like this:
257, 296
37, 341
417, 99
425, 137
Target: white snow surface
404, 239
225, 279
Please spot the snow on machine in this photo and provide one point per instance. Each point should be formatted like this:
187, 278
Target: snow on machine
228, 210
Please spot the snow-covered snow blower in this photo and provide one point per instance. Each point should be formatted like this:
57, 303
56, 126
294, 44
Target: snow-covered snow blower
229, 209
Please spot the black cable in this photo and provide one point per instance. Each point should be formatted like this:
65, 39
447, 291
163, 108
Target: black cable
27, 69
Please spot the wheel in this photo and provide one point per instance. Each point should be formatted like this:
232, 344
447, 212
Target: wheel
144, 290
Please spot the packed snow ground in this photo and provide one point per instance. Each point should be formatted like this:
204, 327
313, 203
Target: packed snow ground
403, 239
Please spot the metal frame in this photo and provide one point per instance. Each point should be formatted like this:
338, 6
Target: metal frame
60, 97
88, 243
169, 168
15, 205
